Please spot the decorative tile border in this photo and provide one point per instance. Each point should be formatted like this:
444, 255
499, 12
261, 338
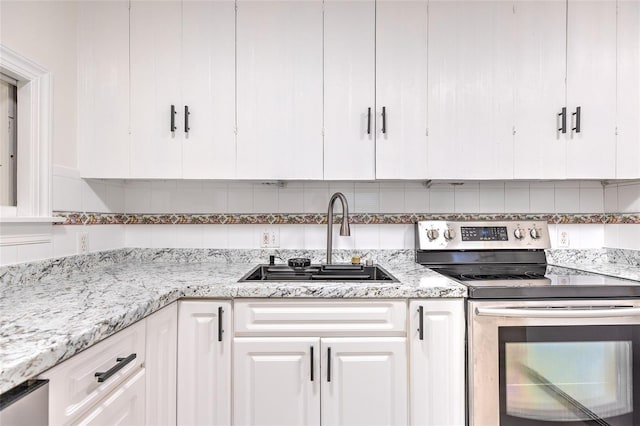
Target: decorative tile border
80, 218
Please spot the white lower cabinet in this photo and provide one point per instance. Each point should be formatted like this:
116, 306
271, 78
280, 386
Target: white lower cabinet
161, 364
276, 381
204, 363
125, 406
325, 375
437, 388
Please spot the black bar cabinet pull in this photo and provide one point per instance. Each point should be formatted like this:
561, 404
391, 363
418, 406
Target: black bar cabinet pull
577, 115
421, 322
186, 119
121, 362
563, 125
220, 330
368, 121
311, 359
384, 119
328, 364
173, 118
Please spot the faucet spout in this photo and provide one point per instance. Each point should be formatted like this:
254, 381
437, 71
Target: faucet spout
344, 228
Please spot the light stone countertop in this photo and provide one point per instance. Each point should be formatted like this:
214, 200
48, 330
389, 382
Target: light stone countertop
55, 309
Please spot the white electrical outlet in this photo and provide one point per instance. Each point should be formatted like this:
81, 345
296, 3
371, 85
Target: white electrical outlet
83, 242
270, 238
563, 240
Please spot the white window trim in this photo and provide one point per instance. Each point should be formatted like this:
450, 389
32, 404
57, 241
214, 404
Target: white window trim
34, 139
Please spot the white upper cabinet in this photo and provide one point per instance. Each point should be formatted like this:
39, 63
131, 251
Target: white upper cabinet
591, 89
183, 65
471, 63
349, 88
279, 89
103, 89
401, 89
208, 89
155, 29
628, 87
539, 77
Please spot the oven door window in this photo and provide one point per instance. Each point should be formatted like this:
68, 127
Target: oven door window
569, 375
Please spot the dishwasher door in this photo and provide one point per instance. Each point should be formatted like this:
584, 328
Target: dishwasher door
26, 405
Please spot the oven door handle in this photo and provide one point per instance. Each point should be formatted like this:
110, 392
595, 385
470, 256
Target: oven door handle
563, 312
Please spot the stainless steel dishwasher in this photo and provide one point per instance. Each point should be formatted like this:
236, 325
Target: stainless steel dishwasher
26, 404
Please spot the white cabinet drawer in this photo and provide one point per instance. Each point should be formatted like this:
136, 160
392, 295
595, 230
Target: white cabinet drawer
73, 386
125, 406
320, 318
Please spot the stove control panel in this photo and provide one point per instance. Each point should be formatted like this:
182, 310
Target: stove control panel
489, 235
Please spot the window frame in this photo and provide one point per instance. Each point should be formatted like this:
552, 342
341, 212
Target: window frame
34, 127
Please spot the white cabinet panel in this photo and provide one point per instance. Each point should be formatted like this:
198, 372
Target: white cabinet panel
591, 85
540, 92
279, 89
161, 364
74, 388
124, 407
401, 88
273, 383
155, 31
103, 89
366, 381
204, 363
628, 87
208, 89
471, 51
349, 104
437, 363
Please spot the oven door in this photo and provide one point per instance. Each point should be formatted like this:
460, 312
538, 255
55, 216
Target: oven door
554, 363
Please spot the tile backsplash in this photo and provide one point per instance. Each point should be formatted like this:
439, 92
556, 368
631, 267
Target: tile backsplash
73, 194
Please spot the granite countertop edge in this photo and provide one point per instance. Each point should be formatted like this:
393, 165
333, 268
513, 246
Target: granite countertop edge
44, 323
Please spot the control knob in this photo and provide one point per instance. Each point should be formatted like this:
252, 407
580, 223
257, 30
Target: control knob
535, 234
449, 234
518, 233
432, 234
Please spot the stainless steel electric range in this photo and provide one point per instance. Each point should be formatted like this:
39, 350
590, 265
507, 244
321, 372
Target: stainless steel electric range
545, 345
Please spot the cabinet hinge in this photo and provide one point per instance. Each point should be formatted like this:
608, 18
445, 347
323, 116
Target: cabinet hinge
235, 131
427, 132
514, 130
616, 131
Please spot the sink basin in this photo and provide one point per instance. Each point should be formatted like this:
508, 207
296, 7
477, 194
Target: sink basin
333, 272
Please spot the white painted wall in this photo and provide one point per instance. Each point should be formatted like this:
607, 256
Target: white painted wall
24, 28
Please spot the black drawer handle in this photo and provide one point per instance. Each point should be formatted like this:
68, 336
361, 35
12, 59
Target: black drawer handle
368, 121
563, 120
173, 118
421, 322
220, 330
186, 119
384, 119
577, 116
113, 370
328, 364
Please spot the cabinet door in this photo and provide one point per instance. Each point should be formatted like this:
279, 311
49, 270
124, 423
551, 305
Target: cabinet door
124, 406
279, 89
276, 381
437, 362
155, 31
161, 364
628, 84
364, 381
103, 89
349, 70
471, 51
591, 85
401, 89
204, 363
208, 89
540, 92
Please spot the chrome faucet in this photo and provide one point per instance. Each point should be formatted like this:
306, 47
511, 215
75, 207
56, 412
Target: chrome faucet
344, 229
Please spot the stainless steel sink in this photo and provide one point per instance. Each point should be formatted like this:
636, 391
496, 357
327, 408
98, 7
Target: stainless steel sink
333, 272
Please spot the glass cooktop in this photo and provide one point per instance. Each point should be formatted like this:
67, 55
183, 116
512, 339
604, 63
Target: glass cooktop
503, 281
